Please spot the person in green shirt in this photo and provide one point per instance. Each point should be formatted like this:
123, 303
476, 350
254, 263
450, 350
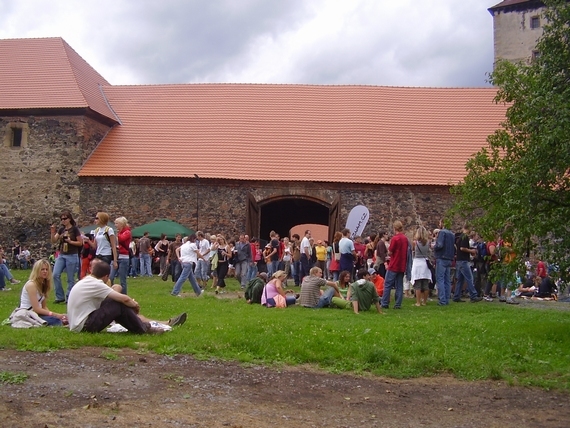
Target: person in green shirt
362, 293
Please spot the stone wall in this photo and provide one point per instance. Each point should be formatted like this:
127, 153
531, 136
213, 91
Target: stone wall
222, 203
39, 179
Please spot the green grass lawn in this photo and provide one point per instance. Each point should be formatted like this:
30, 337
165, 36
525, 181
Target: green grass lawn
522, 345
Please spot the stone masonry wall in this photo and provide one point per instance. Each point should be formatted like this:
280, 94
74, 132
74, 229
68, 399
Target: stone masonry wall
223, 204
39, 179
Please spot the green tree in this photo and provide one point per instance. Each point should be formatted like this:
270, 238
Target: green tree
518, 185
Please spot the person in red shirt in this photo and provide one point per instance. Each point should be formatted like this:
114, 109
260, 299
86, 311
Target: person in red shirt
398, 252
541, 269
377, 280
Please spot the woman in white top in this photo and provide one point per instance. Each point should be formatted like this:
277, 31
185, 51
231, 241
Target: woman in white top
105, 242
421, 274
35, 293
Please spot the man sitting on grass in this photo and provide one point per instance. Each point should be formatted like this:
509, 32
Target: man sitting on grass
362, 293
311, 296
93, 305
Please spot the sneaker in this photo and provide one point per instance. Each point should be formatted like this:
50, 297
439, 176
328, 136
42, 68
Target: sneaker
178, 320
487, 299
512, 302
14, 281
459, 301
153, 329
476, 299
175, 295
502, 299
5, 289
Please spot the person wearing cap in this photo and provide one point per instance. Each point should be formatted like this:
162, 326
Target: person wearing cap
362, 293
377, 280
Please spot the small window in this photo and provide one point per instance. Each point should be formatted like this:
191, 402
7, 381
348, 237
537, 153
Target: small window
16, 137
535, 22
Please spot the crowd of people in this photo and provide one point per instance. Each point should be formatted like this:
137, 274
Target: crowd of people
348, 273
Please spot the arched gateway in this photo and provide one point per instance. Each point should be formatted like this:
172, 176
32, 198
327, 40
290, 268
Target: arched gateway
281, 213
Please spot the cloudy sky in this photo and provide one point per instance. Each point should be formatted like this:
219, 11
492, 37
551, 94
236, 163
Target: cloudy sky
371, 42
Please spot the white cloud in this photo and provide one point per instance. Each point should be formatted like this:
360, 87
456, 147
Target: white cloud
406, 43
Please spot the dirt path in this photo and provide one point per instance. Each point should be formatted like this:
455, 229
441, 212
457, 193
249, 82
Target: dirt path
94, 387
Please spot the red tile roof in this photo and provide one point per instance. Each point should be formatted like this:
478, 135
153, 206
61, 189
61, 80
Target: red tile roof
358, 134
47, 73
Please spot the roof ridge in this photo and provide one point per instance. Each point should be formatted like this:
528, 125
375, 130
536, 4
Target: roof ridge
64, 44
307, 85
108, 103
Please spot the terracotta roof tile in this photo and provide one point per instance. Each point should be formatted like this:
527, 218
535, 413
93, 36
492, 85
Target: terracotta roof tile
48, 73
359, 134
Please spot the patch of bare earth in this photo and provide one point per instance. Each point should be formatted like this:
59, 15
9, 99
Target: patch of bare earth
94, 387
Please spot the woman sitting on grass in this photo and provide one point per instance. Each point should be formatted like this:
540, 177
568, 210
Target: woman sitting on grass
343, 284
35, 293
273, 294
339, 299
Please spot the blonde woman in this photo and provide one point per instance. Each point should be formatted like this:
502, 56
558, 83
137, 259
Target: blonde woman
421, 274
273, 294
223, 252
35, 294
105, 241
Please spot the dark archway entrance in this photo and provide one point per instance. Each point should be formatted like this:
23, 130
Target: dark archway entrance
281, 214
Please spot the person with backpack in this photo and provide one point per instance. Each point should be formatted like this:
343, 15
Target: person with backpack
105, 242
254, 288
464, 251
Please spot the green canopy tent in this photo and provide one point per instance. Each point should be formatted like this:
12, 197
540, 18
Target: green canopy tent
155, 229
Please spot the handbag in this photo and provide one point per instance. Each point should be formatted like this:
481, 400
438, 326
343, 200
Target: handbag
334, 265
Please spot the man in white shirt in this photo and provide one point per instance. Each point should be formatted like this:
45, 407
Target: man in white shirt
93, 305
188, 254
347, 252
203, 265
24, 257
306, 250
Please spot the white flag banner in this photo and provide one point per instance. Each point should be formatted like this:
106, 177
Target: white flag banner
357, 219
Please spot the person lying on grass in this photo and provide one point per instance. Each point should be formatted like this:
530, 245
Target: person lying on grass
92, 305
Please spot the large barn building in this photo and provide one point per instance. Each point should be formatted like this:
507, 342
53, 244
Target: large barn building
226, 158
